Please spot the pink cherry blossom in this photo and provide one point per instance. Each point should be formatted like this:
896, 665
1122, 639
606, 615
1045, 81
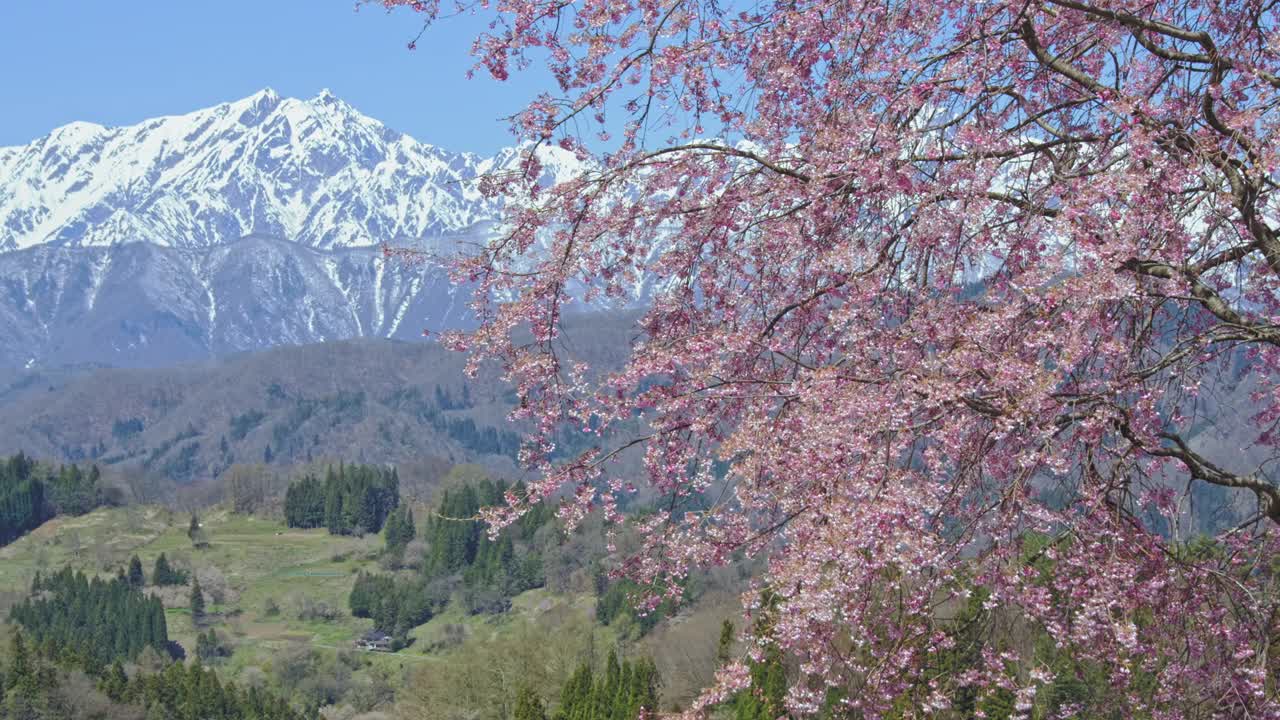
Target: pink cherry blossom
953, 289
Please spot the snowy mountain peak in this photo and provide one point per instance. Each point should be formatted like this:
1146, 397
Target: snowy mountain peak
78, 131
240, 226
326, 96
315, 172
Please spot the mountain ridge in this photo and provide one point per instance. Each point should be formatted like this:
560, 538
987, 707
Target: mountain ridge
142, 305
367, 399
316, 172
241, 226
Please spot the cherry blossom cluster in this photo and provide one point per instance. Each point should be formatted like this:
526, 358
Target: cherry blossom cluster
952, 297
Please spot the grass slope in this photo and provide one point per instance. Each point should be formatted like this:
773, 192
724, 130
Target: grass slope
248, 561
251, 563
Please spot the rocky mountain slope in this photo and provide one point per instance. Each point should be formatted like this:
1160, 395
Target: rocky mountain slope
143, 305
246, 225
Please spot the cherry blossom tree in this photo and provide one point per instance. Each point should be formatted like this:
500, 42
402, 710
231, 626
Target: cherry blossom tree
950, 295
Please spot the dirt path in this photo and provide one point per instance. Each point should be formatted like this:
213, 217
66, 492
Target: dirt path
312, 643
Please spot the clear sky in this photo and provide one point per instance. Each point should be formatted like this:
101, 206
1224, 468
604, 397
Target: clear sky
116, 63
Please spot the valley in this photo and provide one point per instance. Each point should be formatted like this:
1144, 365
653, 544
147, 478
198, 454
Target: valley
278, 602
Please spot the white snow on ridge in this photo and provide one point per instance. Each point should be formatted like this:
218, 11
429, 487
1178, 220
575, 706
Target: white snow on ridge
315, 172
241, 226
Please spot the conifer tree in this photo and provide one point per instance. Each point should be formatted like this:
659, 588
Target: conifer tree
136, 578
196, 533
764, 700
94, 620
197, 601
391, 532
19, 660
408, 530
576, 694
115, 683
333, 504
725, 645
529, 705
38, 689
165, 574
607, 695
304, 505
23, 504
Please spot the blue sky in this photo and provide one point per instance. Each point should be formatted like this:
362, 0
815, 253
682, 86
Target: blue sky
116, 63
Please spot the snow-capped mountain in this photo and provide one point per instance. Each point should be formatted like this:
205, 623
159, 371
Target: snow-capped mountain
240, 226
144, 305
315, 172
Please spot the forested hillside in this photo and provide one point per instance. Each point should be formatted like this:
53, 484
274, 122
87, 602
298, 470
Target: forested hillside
152, 612
31, 493
91, 621
458, 562
371, 401
276, 599
352, 499
37, 683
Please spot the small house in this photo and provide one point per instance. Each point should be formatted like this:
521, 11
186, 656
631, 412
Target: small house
374, 640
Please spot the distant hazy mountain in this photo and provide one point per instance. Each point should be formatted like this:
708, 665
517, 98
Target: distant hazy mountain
238, 227
370, 400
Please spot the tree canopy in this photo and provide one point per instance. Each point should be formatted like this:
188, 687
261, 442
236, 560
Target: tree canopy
91, 621
351, 499
935, 282
31, 493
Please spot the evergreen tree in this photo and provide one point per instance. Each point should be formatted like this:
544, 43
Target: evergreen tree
115, 683
196, 533
492, 570
352, 499
304, 504
136, 578
22, 498
197, 601
19, 660
38, 691
333, 503
725, 645
621, 693
529, 705
400, 529
360, 601
208, 647
616, 601
576, 694
764, 699
160, 574
391, 533
32, 493
165, 574
73, 491
95, 620
202, 647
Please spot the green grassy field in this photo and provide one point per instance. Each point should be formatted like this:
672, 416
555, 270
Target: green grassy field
250, 565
